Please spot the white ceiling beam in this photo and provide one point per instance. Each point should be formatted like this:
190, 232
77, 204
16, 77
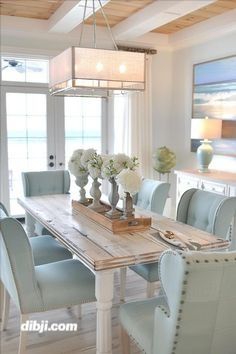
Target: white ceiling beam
155, 15
70, 14
214, 27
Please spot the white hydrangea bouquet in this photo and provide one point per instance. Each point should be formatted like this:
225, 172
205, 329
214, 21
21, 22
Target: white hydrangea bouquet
114, 164
75, 165
130, 181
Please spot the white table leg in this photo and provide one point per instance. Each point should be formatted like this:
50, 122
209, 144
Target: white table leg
104, 296
30, 225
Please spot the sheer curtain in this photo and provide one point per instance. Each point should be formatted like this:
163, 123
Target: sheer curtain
133, 124
4, 190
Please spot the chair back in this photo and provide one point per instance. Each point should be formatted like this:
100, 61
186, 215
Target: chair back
45, 182
200, 290
3, 211
207, 211
152, 195
17, 266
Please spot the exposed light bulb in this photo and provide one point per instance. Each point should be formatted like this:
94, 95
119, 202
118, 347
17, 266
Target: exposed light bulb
99, 66
122, 68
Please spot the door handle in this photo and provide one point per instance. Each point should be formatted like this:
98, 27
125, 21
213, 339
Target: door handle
51, 164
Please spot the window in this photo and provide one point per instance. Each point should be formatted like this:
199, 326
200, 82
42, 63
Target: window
24, 70
27, 139
83, 124
121, 124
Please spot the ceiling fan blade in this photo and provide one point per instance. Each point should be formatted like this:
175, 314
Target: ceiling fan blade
35, 68
20, 69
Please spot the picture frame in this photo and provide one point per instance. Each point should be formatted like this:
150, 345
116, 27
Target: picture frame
214, 96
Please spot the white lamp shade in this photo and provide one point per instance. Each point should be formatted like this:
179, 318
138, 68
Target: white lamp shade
206, 128
90, 68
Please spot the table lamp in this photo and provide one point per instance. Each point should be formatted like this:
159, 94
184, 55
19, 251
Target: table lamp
205, 129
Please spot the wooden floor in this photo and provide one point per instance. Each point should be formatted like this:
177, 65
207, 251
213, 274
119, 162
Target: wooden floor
84, 340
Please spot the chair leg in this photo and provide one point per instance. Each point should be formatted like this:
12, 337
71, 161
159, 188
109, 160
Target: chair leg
125, 342
6, 307
123, 273
23, 334
150, 289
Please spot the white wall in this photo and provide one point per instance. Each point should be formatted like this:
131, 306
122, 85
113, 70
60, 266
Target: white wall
183, 61
172, 100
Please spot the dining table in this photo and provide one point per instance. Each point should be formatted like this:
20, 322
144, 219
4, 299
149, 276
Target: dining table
104, 251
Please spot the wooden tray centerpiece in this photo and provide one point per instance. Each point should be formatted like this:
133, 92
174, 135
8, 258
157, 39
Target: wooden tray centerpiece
114, 225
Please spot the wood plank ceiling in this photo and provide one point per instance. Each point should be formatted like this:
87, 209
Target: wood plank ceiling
116, 11
38, 9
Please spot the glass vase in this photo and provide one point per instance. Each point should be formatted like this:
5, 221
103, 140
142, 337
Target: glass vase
113, 200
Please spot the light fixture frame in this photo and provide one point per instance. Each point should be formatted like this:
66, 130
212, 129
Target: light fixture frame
75, 80
71, 77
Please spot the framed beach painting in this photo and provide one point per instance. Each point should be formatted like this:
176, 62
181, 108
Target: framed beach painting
214, 96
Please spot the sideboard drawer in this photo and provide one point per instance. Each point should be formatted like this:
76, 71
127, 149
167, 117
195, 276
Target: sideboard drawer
187, 183
214, 187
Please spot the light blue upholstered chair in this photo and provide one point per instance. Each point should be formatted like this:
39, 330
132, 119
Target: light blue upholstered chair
195, 311
152, 196
43, 183
43, 287
45, 250
204, 210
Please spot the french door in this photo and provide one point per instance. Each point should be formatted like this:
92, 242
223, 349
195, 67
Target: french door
40, 132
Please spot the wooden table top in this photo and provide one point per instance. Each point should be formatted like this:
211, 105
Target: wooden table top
101, 249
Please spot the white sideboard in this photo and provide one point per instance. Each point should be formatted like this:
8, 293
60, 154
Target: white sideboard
220, 182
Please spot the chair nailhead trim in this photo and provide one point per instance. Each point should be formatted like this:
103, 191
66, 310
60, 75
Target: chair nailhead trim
185, 282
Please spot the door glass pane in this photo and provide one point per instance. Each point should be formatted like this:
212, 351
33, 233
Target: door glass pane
82, 124
83, 127
27, 140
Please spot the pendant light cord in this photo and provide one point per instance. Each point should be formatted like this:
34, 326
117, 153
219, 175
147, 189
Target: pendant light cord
108, 26
82, 29
95, 25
